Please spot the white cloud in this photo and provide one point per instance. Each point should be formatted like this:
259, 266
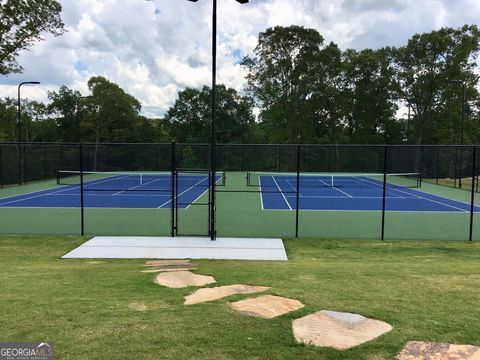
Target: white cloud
155, 48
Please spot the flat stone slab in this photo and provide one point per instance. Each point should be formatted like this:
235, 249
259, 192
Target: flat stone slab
168, 263
337, 329
163, 269
420, 350
210, 294
267, 306
182, 279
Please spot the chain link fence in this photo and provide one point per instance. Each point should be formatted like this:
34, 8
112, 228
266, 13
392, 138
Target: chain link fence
311, 191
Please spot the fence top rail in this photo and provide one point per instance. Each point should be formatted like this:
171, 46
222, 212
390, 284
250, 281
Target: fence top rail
246, 144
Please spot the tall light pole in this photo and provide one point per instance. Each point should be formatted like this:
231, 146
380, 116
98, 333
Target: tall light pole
461, 82
77, 100
214, 115
19, 129
19, 107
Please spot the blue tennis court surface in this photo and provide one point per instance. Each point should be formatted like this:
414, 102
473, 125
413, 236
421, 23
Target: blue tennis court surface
117, 191
349, 193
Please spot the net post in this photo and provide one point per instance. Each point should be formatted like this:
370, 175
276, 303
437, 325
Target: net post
297, 209
385, 154
472, 200
173, 167
82, 214
437, 168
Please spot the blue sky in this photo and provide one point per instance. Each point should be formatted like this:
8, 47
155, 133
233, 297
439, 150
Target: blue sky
155, 48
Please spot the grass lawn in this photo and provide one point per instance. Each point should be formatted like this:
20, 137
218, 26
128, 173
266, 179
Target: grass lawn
87, 309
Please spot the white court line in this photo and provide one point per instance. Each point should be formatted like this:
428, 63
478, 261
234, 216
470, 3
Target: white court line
343, 192
417, 196
203, 193
97, 194
261, 192
135, 187
289, 184
284, 198
36, 196
183, 192
70, 187
355, 197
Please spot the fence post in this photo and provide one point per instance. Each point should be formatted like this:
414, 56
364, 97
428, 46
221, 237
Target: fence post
19, 147
385, 154
298, 192
1, 167
24, 164
82, 215
472, 205
173, 200
44, 162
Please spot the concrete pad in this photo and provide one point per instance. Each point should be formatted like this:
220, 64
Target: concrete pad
127, 247
182, 279
337, 330
420, 350
267, 306
210, 294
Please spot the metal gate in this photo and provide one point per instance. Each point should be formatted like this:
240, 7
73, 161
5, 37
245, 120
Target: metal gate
192, 202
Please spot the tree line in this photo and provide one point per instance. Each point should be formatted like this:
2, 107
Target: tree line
300, 89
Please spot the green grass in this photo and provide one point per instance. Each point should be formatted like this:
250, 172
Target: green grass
426, 290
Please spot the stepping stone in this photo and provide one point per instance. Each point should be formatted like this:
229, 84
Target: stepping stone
168, 263
210, 294
420, 350
163, 269
338, 330
267, 306
182, 279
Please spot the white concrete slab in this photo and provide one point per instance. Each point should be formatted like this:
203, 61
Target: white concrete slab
136, 247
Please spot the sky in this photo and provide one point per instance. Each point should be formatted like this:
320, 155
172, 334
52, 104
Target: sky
155, 48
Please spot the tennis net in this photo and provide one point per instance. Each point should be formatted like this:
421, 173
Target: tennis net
135, 181
275, 180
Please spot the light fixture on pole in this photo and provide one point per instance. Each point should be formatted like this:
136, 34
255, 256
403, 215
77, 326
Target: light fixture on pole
214, 115
19, 107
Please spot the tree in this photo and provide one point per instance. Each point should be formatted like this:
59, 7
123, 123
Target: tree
423, 72
62, 109
190, 116
111, 115
371, 107
8, 120
22, 22
279, 79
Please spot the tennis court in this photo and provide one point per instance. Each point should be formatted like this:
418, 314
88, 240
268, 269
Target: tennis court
360, 192
116, 190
